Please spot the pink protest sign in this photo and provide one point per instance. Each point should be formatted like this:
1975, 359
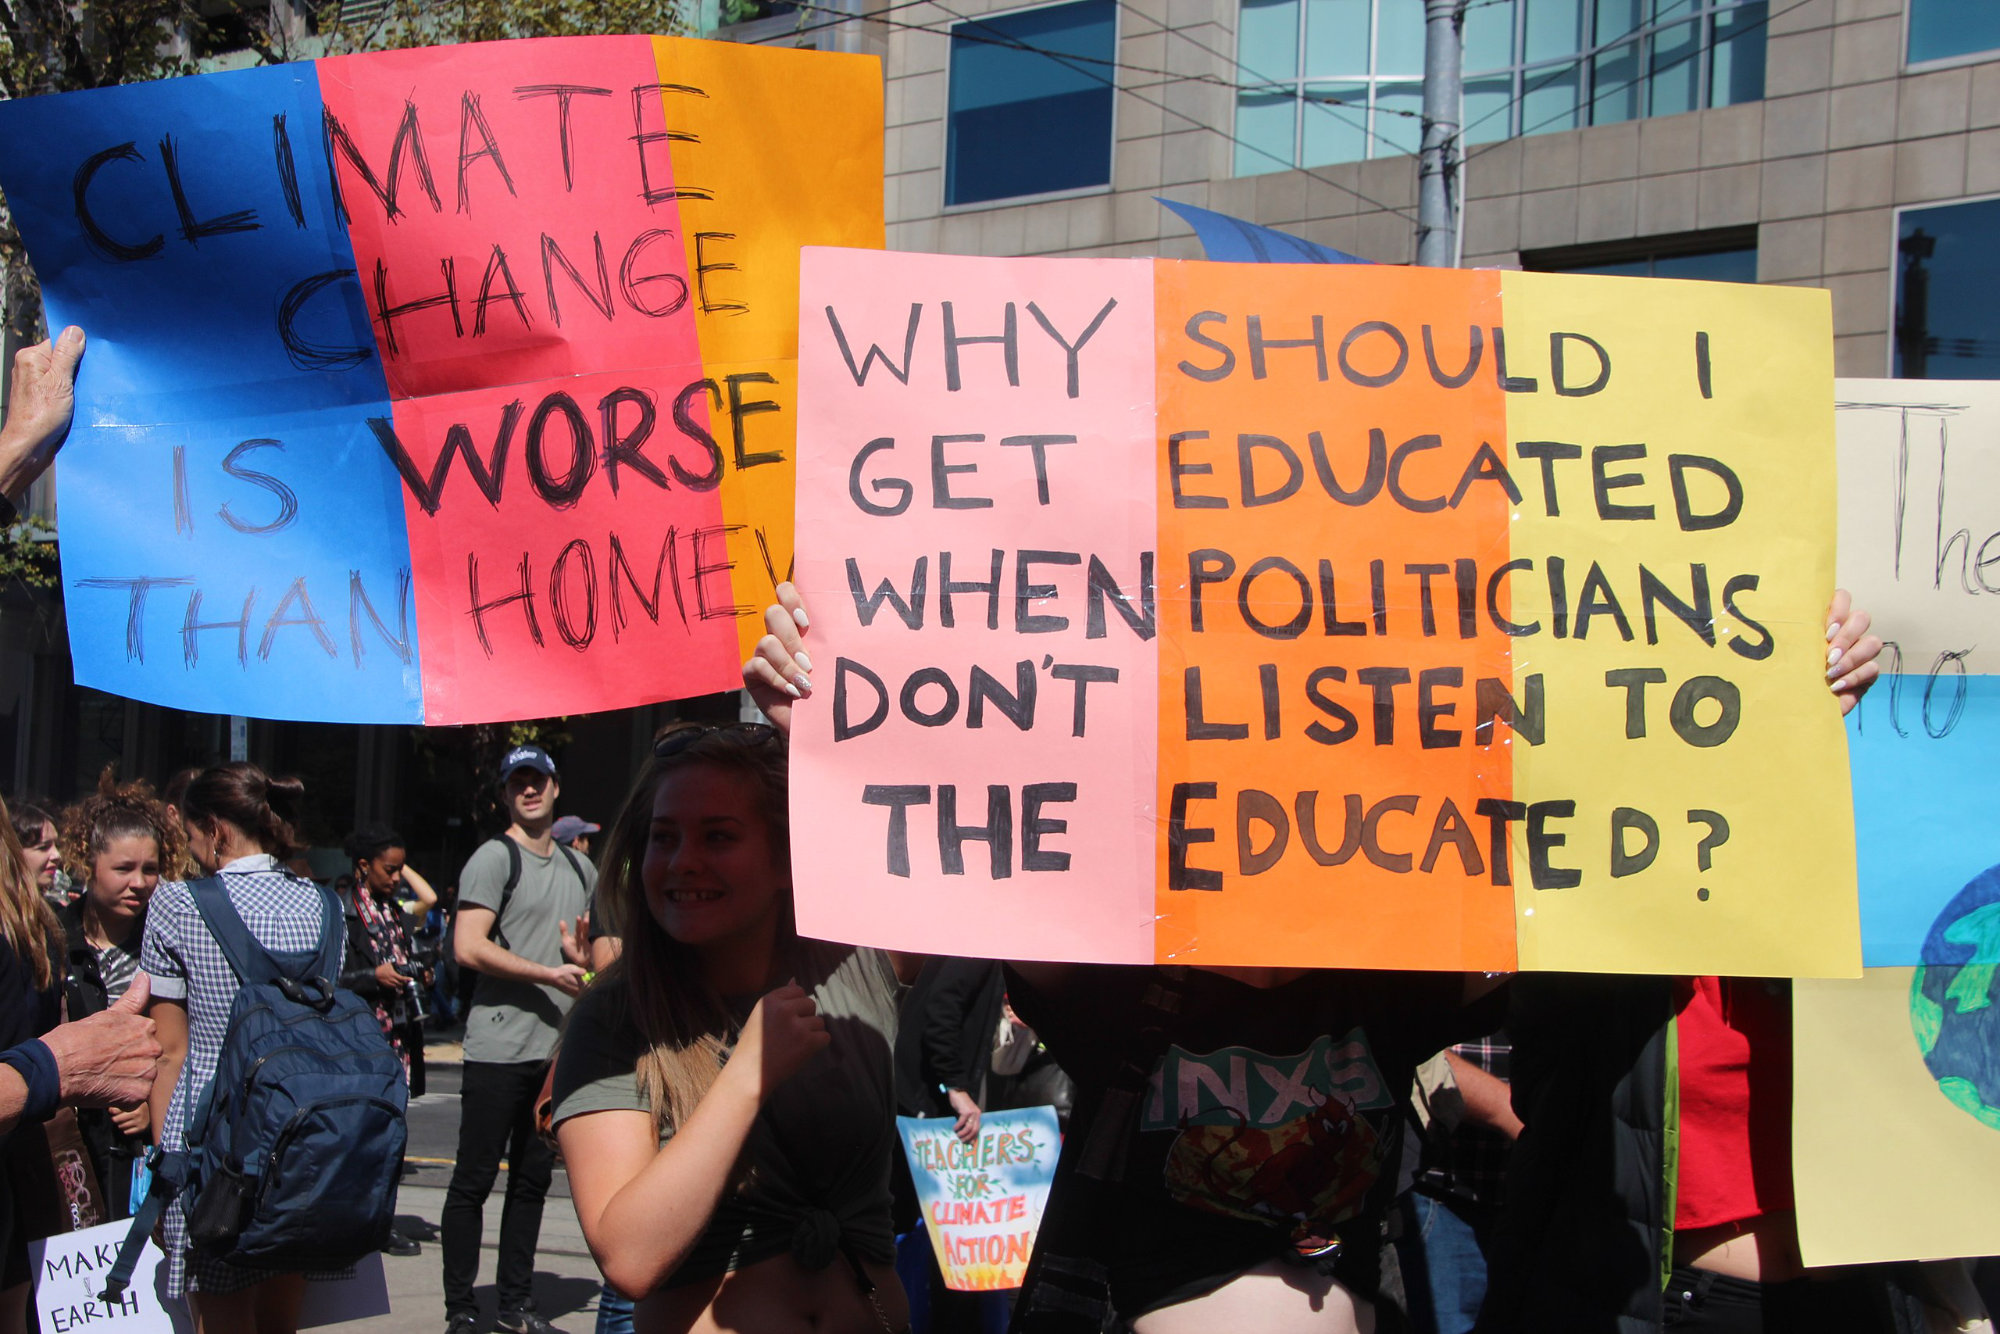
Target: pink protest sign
987, 527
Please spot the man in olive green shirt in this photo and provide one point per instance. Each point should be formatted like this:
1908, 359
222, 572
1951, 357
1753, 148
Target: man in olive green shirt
523, 926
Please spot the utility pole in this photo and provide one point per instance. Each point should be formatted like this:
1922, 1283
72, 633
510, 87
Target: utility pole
1437, 162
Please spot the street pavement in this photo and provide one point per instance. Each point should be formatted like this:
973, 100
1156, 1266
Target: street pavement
566, 1279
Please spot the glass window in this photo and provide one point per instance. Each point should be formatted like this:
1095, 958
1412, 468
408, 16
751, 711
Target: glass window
1554, 28
1616, 86
1023, 119
1549, 99
1947, 286
1736, 72
1619, 18
1532, 66
1336, 39
1488, 104
1336, 122
1714, 266
1267, 42
1399, 37
1676, 81
1399, 126
1489, 36
1941, 28
1724, 264
1267, 131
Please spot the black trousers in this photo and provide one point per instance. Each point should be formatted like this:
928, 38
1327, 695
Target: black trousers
496, 1118
1714, 1304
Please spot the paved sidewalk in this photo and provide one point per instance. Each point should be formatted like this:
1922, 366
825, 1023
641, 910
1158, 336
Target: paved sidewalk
566, 1279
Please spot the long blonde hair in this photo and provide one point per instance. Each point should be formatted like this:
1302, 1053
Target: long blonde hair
684, 1025
26, 920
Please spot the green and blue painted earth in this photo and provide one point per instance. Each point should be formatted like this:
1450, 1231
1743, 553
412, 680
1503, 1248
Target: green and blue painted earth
1952, 1004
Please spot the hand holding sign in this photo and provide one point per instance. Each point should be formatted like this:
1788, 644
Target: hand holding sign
1851, 653
40, 400
776, 673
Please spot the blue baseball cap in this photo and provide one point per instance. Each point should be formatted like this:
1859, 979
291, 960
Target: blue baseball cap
527, 757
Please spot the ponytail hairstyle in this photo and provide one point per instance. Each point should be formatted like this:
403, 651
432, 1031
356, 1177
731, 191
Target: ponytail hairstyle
261, 806
120, 810
26, 919
683, 1023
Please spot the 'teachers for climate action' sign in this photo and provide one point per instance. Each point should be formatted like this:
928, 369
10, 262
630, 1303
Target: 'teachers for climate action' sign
439, 385
1354, 616
982, 1201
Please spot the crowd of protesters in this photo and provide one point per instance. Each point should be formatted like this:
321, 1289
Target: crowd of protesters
1441, 1153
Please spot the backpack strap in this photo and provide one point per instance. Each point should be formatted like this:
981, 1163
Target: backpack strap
499, 936
332, 937
249, 959
169, 1172
570, 857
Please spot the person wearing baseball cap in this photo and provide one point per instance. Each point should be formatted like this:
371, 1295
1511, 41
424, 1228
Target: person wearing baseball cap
574, 832
523, 927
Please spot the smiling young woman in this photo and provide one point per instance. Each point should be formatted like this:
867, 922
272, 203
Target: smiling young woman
724, 1098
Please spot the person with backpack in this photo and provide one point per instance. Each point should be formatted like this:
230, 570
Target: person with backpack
523, 927
283, 1136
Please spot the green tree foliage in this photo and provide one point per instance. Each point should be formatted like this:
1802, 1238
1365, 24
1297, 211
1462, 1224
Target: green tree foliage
60, 46
371, 25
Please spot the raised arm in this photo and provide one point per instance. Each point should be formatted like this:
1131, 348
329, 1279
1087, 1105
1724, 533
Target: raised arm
420, 889
643, 1205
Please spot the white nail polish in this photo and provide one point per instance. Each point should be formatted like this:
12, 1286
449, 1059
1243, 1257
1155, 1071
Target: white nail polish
805, 682
791, 689
1839, 685
804, 621
804, 660
1833, 655
1832, 629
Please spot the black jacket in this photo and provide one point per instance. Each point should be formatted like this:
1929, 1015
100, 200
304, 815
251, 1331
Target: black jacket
946, 1034
1585, 1231
358, 974
111, 1153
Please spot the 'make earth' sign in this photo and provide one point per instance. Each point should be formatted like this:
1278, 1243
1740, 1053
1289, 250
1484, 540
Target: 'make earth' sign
436, 386
1376, 617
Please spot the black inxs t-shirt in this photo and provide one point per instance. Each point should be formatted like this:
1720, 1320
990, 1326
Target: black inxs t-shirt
1273, 1114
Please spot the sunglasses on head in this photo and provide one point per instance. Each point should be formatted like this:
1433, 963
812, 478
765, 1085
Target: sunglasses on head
742, 734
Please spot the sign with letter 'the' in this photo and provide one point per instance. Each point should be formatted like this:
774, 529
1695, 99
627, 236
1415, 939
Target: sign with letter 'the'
1319, 615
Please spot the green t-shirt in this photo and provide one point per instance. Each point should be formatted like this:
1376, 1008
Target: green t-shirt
517, 1021
815, 1171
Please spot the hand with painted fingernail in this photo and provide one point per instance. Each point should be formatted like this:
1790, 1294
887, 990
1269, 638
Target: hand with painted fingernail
1851, 652
778, 671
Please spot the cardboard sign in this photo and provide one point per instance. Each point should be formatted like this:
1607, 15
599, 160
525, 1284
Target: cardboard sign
69, 1269
1920, 549
437, 385
1914, 1054
982, 1202
1319, 615
1914, 1044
